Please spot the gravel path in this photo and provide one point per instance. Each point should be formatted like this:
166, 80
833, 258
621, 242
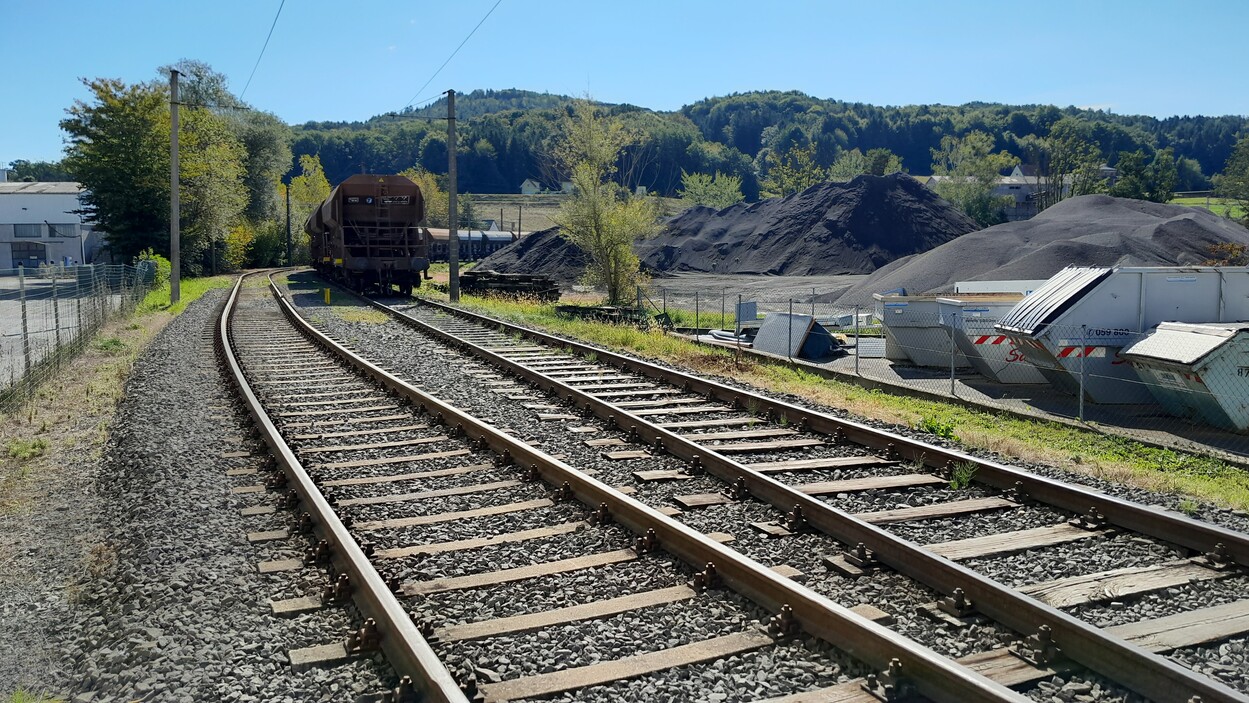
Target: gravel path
174, 608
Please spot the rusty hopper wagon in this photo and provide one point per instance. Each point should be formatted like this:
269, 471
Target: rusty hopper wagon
366, 234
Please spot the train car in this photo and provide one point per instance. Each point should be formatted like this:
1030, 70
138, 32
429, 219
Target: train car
474, 244
367, 234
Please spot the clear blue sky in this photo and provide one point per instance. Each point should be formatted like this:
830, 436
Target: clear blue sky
349, 61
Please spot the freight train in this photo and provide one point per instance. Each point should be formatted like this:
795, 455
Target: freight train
367, 234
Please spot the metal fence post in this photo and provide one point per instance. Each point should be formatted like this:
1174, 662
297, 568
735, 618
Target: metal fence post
1083, 369
21, 293
789, 341
697, 328
857, 348
952, 349
737, 322
56, 314
639, 309
812, 302
723, 292
665, 293
77, 304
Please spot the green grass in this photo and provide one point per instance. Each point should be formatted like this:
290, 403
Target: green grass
20, 696
1218, 206
25, 449
1082, 450
190, 288
109, 345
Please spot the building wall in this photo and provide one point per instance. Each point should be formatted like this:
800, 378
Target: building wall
26, 213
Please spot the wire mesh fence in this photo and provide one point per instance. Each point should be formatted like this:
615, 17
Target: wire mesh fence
1180, 385
47, 315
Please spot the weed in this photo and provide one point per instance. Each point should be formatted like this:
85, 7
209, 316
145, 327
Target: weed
20, 696
109, 345
1189, 507
784, 421
101, 560
942, 428
961, 475
591, 357
26, 449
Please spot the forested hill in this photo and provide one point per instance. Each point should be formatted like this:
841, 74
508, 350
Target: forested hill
503, 136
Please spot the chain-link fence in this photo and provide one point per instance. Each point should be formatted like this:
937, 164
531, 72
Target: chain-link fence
1179, 385
48, 314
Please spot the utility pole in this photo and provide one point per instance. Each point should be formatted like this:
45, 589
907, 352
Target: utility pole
453, 235
288, 225
175, 258
520, 211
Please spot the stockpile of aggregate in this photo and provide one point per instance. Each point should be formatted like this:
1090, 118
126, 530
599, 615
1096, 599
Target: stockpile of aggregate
1090, 230
828, 229
546, 251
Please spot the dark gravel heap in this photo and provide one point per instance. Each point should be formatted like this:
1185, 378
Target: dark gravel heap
547, 252
829, 228
1091, 230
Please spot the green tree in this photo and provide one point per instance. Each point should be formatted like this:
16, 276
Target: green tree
791, 172
601, 218
308, 190
435, 197
1233, 182
881, 162
718, 191
38, 171
1071, 162
119, 151
213, 191
1155, 181
968, 171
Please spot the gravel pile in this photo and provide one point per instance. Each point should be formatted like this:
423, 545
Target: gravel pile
1091, 230
829, 228
176, 610
547, 251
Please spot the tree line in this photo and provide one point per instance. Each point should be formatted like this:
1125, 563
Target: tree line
238, 162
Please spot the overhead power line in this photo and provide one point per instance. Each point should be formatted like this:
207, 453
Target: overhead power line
262, 49
453, 53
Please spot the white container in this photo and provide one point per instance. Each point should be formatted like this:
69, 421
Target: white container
970, 319
1073, 327
1197, 371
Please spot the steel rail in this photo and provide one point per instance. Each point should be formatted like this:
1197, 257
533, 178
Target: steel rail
401, 641
1162, 524
1149, 674
934, 676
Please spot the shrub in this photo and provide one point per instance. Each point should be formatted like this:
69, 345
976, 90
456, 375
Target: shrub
161, 267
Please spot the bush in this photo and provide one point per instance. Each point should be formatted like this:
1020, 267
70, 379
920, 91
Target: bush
159, 265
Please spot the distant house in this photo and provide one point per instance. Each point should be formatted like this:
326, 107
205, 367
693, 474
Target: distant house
530, 187
565, 186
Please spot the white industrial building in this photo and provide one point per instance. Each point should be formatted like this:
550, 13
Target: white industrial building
39, 225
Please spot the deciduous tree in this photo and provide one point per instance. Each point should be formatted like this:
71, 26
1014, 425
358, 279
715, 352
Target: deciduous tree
969, 169
1233, 183
601, 217
718, 191
791, 172
308, 190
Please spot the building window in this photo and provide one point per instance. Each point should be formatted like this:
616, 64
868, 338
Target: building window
69, 229
27, 231
29, 254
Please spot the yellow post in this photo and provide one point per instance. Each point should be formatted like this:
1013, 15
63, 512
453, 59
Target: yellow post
327, 296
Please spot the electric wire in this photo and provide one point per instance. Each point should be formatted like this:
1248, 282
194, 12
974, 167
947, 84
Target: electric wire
453, 53
262, 49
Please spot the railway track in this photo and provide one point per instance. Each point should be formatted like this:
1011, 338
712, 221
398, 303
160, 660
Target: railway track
454, 539
747, 442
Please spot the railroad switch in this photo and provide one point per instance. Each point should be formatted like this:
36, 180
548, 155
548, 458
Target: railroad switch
600, 515
365, 640
890, 685
1092, 520
783, 624
1039, 650
318, 554
738, 490
705, 579
339, 592
563, 493
1219, 558
647, 543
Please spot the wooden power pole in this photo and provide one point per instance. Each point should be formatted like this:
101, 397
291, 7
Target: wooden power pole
453, 234
175, 290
